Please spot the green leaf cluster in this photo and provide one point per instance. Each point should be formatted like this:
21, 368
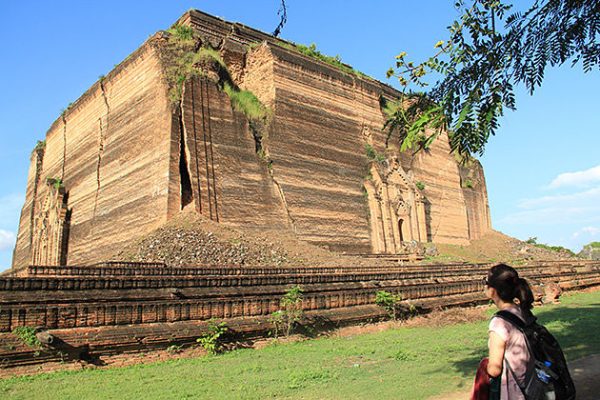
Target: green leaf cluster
291, 311
492, 48
414, 119
56, 183
212, 341
393, 304
27, 336
388, 301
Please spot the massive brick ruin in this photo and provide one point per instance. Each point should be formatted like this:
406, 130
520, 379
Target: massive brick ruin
135, 150
125, 158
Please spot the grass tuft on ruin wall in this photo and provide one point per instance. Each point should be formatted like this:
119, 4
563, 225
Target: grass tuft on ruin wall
246, 102
184, 57
335, 61
187, 58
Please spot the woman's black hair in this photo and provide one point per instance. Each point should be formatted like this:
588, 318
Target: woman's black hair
509, 286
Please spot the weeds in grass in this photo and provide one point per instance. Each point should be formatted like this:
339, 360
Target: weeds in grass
404, 355
174, 349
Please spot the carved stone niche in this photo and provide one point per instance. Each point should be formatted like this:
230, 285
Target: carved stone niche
51, 227
397, 207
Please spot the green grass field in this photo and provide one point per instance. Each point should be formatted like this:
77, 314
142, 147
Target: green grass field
403, 363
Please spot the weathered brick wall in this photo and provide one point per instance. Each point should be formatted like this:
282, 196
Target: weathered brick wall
111, 150
119, 152
446, 208
81, 301
22, 252
231, 183
476, 199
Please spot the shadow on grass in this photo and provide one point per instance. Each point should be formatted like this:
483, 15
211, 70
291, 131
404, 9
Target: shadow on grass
575, 328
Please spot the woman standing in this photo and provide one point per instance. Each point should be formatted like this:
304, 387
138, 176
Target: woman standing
509, 357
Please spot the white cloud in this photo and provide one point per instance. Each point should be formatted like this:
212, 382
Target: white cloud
578, 198
587, 231
579, 178
7, 240
591, 196
553, 216
576, 208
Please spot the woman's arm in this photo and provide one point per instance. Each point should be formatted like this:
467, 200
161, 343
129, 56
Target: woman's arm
496, 345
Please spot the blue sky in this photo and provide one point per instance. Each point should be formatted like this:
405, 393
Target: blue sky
542, 168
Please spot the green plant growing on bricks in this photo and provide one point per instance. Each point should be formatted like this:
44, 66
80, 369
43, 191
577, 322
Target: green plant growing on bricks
388, 301
291, 311
183, 58
40, 145
246, 102
393, 304
27, 336
174, 349
372, 154
212, 341
312, 52
420, 185
277, 320
57, 183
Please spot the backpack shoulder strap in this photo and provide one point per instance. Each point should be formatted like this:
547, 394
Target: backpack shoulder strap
512, 318
518, 323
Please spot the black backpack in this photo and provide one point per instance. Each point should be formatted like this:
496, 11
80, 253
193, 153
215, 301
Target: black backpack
544, 348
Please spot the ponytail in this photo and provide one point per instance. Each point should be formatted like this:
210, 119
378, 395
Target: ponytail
525, 296
510, 287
